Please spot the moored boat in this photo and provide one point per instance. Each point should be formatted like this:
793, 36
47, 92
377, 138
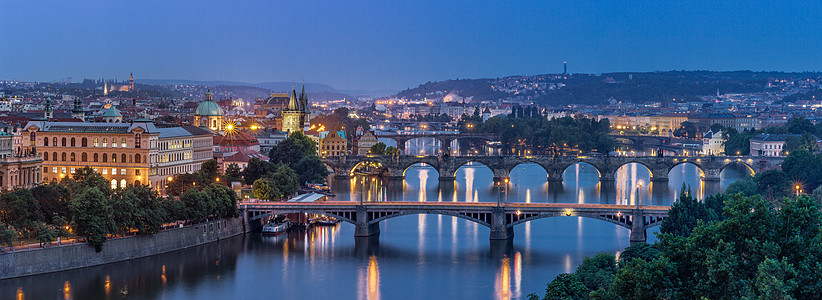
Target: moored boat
276, 226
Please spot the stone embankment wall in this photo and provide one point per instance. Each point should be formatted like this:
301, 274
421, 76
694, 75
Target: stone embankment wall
67, 257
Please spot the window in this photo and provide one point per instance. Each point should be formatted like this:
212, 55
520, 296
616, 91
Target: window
137, 140
137, 172
122, 183
105, 144
73, 156
64, 170
122, 171
114, 184
63, 141
63, 156
72, 142
54, 170
45, 170
123, 158
137, 182
84, 142
123, 142
54, 141
96, 143
114, 143
72, 170
95, 157
113, 171
45, 141
46, 156
54, 156
105, 171
84, 157
137, 158
105, 157
114, 158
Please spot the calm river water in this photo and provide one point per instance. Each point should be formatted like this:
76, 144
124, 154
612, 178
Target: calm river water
415, 257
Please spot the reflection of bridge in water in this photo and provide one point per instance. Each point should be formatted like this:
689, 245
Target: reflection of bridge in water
445, 139
394, 167
501, 219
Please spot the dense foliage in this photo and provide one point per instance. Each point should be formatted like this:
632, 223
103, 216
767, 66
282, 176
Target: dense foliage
86, 206
756, 249
525, 131
340, 120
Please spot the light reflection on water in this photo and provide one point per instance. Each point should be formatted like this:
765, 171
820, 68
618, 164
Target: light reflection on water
445, 256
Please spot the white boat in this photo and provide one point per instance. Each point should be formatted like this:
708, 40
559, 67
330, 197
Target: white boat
276, 226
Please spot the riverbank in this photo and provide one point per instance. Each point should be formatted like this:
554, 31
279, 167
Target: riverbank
68, 257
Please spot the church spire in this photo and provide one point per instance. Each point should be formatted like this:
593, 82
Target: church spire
292, 102
49, 112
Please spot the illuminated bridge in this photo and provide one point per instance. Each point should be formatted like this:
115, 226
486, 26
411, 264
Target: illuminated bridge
393, 167
501, 219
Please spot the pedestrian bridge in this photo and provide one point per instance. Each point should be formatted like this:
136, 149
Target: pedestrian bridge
501, 219
393, 167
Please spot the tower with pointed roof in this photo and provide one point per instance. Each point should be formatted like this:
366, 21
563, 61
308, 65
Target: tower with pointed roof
77, 112
130, 82
292, 114
48, 112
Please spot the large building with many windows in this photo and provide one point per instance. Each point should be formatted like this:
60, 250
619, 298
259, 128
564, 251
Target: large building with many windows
123, 153
20, 168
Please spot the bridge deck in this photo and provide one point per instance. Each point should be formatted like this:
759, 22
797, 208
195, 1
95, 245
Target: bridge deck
406, 205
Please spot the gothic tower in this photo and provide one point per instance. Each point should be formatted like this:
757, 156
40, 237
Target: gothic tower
292, 115
49, 112
77, 112
130, 82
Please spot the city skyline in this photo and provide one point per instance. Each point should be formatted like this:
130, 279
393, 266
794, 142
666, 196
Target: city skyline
381, 46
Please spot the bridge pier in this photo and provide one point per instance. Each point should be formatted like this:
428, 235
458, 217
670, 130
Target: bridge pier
712, 174
361, 227
499, 228
606, 176
638, 234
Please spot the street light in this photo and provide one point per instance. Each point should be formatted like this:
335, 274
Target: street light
638, 194
797, 188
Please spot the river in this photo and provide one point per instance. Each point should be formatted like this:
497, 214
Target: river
415, 256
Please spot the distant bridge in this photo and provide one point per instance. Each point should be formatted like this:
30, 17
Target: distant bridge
501, 219
394, 167
445, 139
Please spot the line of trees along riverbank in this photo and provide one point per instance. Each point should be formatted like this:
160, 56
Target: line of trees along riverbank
85, 205
726, 247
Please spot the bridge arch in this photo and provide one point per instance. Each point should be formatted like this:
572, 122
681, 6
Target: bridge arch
471, 163
476, 219
623, 221
695, 164
564, 168
641, 163
426, 163
367, 163
528, 163
739, 163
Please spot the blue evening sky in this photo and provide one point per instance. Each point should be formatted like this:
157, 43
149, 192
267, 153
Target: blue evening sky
398, 44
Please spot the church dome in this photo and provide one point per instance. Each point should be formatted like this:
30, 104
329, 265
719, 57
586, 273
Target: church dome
111, 111
208, 109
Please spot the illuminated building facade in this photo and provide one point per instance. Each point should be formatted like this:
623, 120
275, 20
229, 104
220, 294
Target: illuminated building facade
296, 115
332, 143
120, 152
179, 150
209, 114
19, 169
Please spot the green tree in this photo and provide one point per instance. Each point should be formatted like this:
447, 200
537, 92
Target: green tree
311, 170
391, 150
256, 169
773, 184
800, 125
566, 286
685, 215
686, 130
292, 150
262, 189
285, 180
19, 209
45, 233
209, 171
53, 200
199, 205
378, 148
806, 142
92, 216
643, 251
225, 200
745, 186
641, 279
598, 271
7, 235
233, 173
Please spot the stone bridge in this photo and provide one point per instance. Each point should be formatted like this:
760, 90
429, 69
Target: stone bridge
445, 139
393, 167
501, 219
